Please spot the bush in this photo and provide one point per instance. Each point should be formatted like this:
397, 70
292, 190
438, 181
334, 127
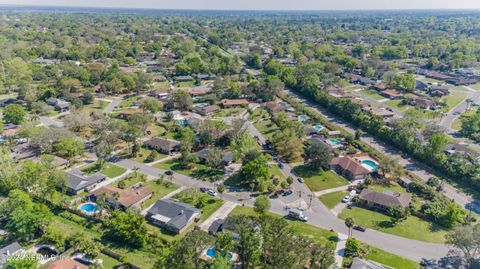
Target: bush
152, 156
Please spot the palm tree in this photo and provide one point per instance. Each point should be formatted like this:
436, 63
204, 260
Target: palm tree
135, 170
349, 222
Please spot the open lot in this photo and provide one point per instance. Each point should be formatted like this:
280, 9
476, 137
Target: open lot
108, 169
318, 181
330, 200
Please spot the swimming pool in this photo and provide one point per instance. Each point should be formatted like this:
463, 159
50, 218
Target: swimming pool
200, 105
89, 208
334, 142
370, 165
318, 128
303, 118
212, 252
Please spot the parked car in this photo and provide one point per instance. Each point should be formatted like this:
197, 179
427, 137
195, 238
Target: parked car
359, 228
287, 193
300, 180
352, 193
212, 192
280, 164
168, 173
203, 189
346, 199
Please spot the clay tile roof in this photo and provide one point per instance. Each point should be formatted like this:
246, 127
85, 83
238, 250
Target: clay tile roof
233, 102
127, 197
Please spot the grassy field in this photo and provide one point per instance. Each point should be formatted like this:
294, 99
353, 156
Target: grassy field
266, 128
200, 171
453, 99
229, 112
108, 169
108, 262
259, 113
300, 228
98, 105
194, 197
330, 200
159, 190
394, 186
413, 227
396, 104
373, 94
141, 155
318, 181
386, 258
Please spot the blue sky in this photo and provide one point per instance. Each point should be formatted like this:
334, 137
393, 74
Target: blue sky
260, 4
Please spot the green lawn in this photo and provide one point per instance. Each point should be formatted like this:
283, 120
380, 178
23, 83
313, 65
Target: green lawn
108, 262
229, 112
330, 200
200, 171
318, 181
275, 171
413, 227
266, 127
185, 84
159, 190
389, 259
194, 197
128, 102
396, 104
300, 228
394, 186
453, 99
98, 105
457, 123
141, 155
373, 94
108, 169
259, 113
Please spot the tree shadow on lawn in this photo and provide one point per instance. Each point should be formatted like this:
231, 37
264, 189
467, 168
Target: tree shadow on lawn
305, 171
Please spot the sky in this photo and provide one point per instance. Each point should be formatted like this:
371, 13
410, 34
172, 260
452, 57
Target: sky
259, 4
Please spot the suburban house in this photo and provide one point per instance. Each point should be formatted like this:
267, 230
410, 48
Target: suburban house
462, 81
227, 156
126, 113
78, 182
183, 78
172, 215
221, 225
206, 110
8, 251
350, 167
384, 200
197, 92
160, 94
273, 107
379, 86
420, 85
381, 112
439, 91
392, 94
122, 198
144, 56
424, 103
452, 148
162, 144
66, 264
437, 75
160, 78
58, 104
358, 263
228, 103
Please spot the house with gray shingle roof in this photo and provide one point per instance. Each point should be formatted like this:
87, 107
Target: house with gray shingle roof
384, 200
172, 215
9, 251
78, 182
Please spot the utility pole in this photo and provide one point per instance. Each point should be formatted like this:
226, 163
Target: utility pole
299, 199
310, 196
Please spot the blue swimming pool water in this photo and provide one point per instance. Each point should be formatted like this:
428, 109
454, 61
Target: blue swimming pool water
318, 128
211, 252
334, 142
201, 105
89, 208
303, 118
370, 165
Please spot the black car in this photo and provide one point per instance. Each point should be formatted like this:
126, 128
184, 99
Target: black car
359, 228
287, 193
300, 180
202, 189
168, 173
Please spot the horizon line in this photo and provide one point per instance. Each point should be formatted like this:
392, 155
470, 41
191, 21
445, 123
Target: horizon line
241, 10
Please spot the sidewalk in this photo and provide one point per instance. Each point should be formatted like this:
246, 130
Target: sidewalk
340, 249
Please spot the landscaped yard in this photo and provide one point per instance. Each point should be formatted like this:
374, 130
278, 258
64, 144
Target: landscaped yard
386, 258
413, 227
393, 186
229, 112
259, 113
203, 201
457, 123
159, 190
108, 169
300, 228
373, 94
108, 262
330, 200
142, 155
318, 181
98, 105
275, 171
453, 99
396, 104
199, 171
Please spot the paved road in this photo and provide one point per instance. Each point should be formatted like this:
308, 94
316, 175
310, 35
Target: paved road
456, 112
112, 105
424, 173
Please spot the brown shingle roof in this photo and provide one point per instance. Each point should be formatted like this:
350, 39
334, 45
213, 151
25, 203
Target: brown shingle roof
66, 264
126, 197
349, 164
387, 198
234, 102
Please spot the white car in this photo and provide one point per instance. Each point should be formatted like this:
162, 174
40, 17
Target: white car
352, 193
346, 199
212, 192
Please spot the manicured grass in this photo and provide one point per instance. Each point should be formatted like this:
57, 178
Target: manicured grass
475, 86
97, 105
108, 169
129, 102
318, 181
266, 127
259, 113
299, 228
159, 191
194, 197
389, 259
108, 262
185, 84
330, 200
229, 112
413, 227
393, 186
457, 123
199, 171
275, 171
373, 94
396, 104
142, 155
453, 99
